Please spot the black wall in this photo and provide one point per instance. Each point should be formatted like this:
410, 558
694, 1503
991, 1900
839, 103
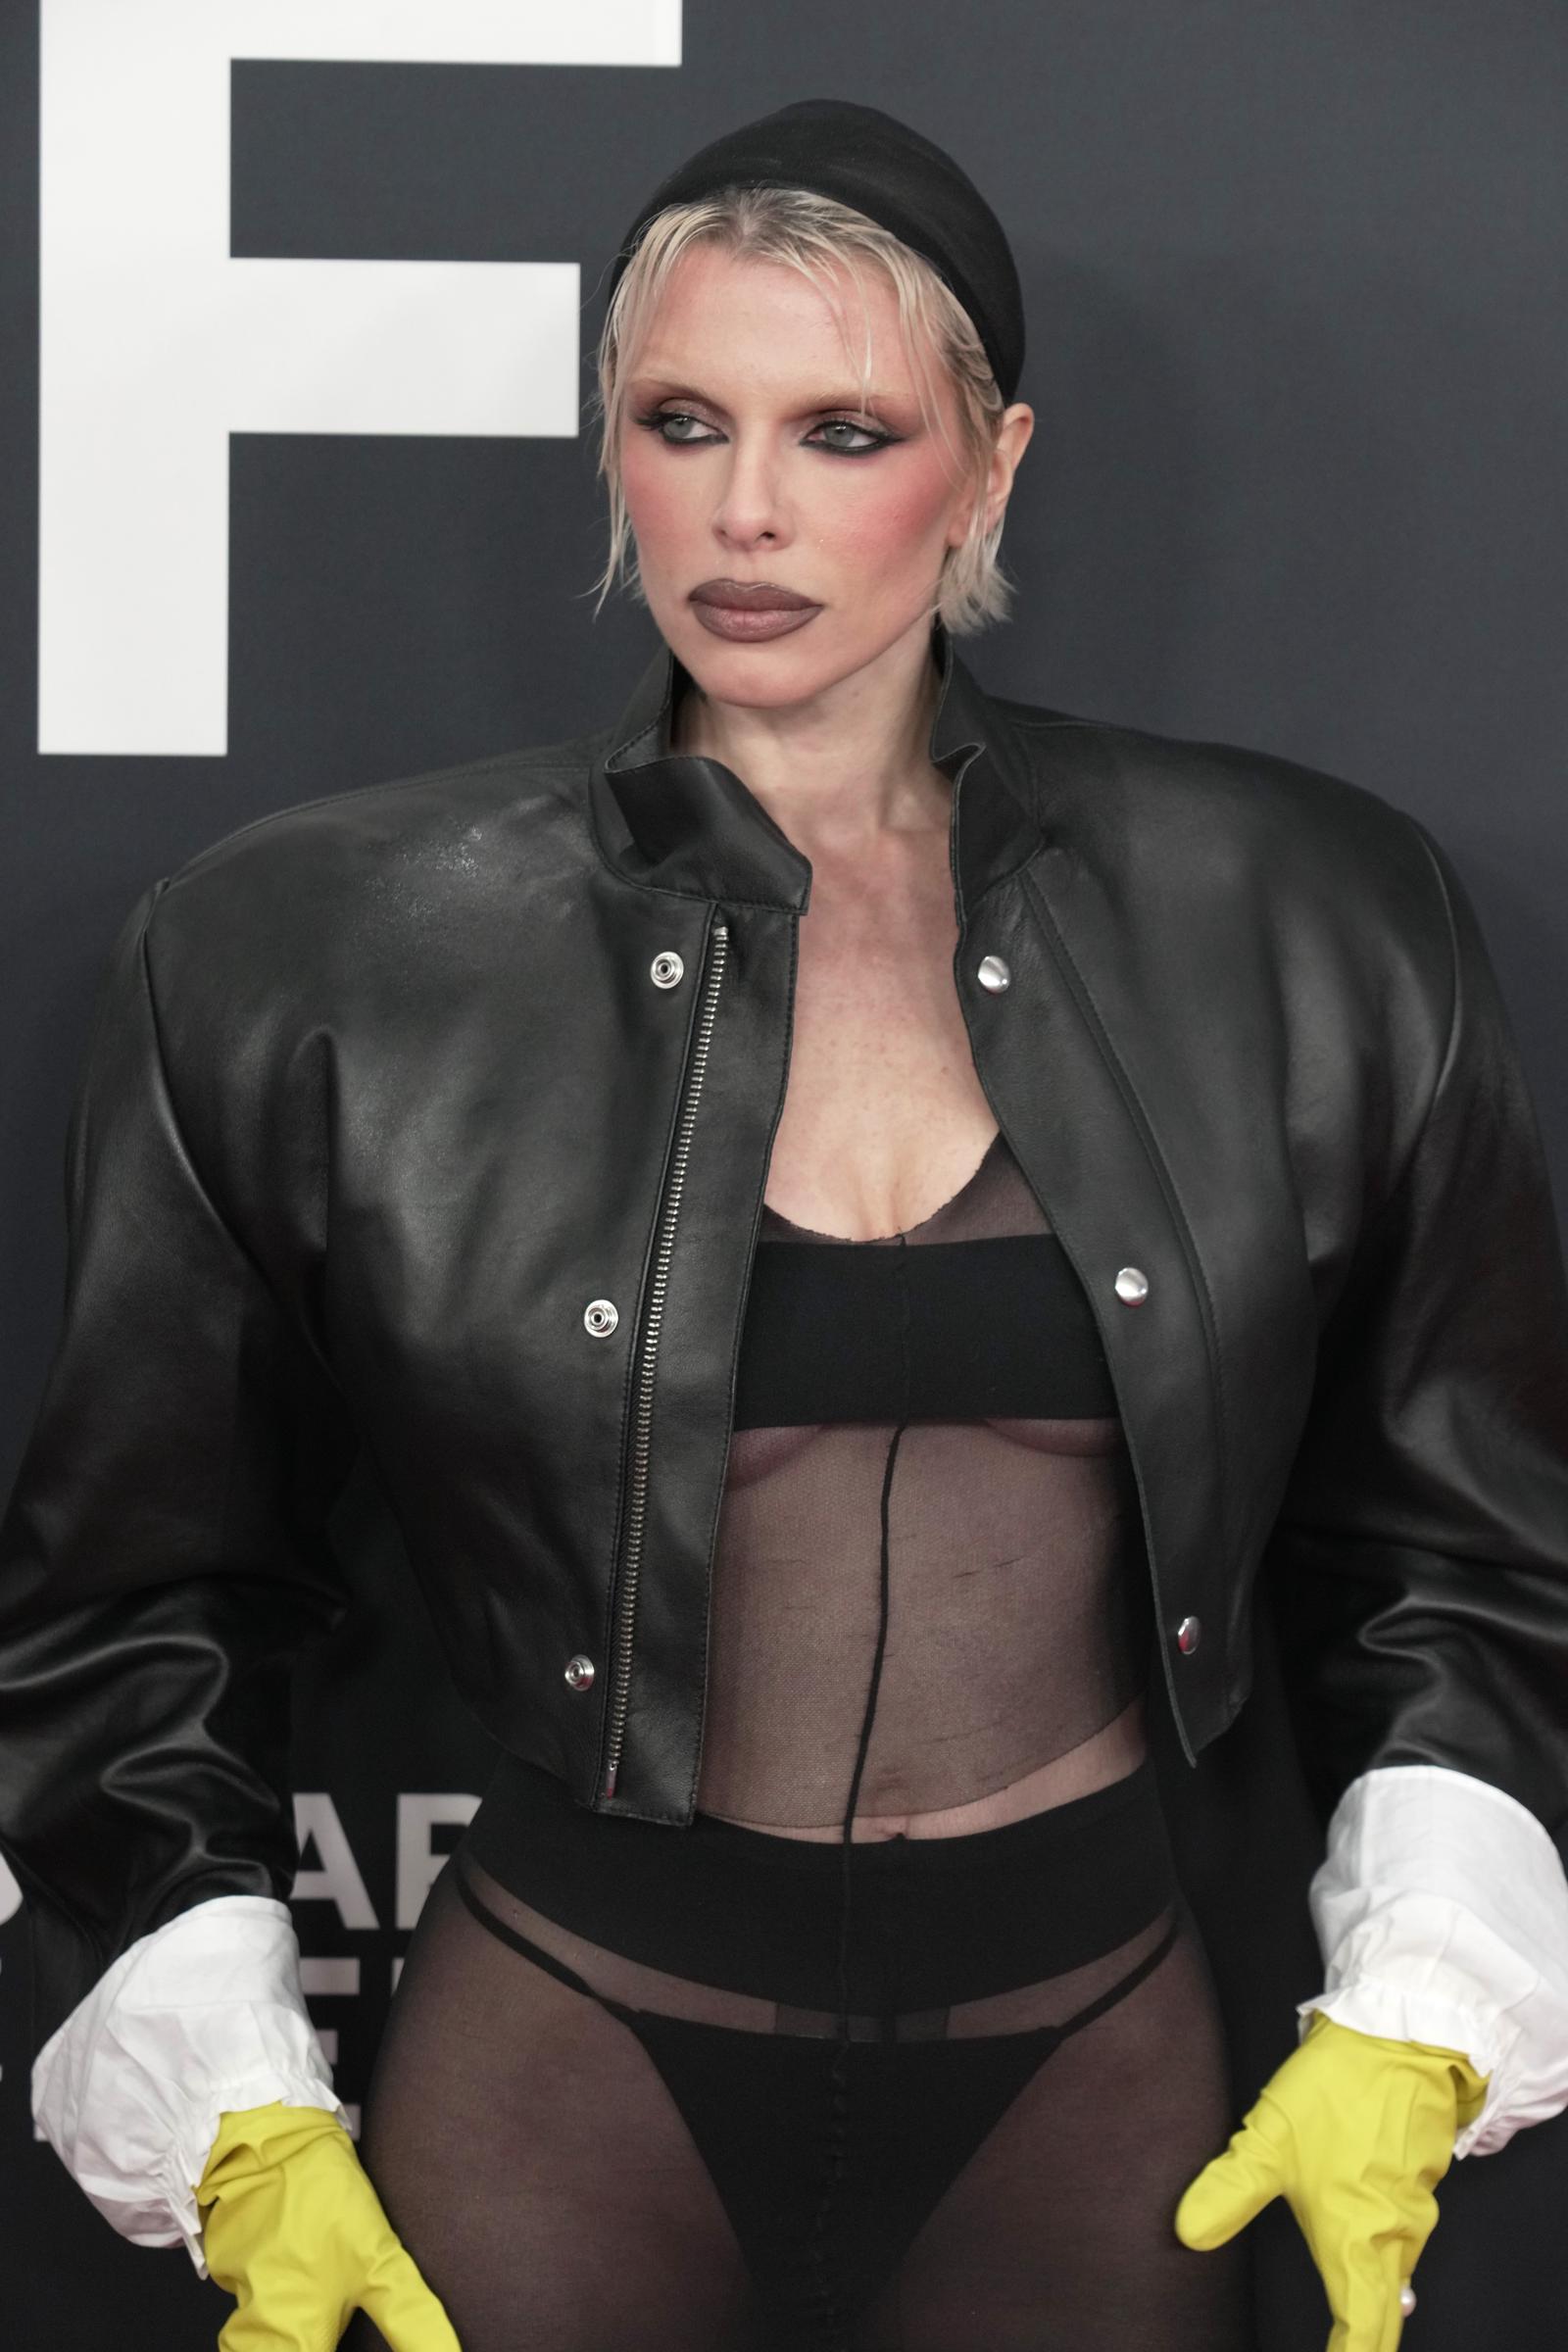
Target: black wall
1296, 283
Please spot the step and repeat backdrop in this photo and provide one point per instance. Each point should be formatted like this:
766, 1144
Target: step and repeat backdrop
298, 300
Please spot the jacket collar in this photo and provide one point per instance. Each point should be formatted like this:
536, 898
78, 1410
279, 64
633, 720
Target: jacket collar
674, 821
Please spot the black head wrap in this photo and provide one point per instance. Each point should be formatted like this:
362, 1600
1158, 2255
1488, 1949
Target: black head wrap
893, 175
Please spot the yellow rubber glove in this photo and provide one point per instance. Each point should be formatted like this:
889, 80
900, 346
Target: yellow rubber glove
1354, 2133
294, 2231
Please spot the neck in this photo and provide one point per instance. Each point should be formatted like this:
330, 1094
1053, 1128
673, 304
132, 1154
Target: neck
847, 766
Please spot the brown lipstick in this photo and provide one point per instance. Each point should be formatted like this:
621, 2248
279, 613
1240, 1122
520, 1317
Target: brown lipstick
750, 611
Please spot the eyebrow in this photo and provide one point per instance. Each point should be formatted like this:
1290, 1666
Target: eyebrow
670, 389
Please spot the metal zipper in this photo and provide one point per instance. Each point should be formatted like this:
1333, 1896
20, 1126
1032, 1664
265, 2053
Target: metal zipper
643, 1413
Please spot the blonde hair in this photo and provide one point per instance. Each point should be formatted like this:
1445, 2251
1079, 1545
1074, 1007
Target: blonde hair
821, 238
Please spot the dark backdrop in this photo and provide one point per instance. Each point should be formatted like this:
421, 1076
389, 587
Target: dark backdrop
1299, 346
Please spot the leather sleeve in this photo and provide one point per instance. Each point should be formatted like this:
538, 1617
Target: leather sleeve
1419, 1563
163, 1555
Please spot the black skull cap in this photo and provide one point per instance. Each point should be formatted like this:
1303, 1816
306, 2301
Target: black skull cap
895, 176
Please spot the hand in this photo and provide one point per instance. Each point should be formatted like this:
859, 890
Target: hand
1354, 2133
296, 2233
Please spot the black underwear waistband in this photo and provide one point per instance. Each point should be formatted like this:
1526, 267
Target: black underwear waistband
935, 1920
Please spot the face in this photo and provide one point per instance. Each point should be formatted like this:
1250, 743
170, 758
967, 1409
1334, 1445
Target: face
750, 463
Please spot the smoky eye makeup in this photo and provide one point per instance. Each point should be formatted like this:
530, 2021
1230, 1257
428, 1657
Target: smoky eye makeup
841, 435
654, 420
870, 437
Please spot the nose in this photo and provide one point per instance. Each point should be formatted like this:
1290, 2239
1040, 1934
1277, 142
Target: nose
751, 510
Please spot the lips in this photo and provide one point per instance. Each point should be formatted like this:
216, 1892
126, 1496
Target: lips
744, 596
748, 611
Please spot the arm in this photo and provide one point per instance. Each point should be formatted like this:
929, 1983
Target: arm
1420, 1568
163, 1557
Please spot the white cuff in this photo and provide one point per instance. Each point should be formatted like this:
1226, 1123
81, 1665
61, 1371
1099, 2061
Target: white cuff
203, 2016
1441, 1915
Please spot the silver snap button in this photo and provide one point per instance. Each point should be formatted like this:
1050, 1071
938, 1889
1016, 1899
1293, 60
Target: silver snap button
993, 974
1188, 1635
666, 968
600, 1316
1132, 1286
579, 1673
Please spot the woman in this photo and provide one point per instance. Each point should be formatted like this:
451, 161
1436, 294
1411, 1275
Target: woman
849, 1214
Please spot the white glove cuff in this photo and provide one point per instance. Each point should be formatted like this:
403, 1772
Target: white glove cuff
203, 2016
1442, 1914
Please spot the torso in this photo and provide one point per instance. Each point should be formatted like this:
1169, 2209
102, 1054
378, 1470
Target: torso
884, 1119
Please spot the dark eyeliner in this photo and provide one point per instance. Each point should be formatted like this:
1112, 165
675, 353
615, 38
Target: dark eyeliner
656, 417
877, 438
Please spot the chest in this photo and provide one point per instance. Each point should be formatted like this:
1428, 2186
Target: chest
884, 1115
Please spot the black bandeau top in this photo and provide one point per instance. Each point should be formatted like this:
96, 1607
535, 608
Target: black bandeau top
961, 1324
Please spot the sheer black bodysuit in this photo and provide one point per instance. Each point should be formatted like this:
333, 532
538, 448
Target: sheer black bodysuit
647, 2089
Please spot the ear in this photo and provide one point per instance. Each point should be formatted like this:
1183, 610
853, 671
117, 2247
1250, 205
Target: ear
1013, 439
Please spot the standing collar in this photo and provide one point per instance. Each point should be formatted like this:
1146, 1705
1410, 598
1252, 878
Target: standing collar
673, 820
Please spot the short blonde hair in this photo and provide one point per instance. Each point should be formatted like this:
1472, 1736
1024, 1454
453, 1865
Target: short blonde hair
821, 238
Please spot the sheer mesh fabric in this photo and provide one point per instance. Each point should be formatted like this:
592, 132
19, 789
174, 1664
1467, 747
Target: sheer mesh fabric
794, 2078
1015, 1628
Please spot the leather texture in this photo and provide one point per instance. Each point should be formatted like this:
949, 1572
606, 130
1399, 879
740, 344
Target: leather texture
383, 1093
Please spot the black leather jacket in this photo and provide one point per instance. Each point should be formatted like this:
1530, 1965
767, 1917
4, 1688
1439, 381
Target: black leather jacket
436, 1116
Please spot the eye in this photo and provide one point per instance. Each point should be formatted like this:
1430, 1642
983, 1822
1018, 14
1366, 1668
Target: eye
662, 417
866, 439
